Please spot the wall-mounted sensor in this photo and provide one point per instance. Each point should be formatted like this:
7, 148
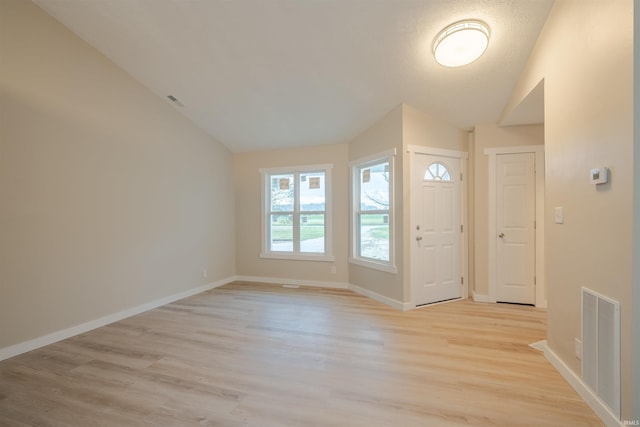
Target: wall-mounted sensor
599, 175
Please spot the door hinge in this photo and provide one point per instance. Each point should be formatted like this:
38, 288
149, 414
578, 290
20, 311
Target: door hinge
534, 225
462, 280
461, 228
534, 280
460, 176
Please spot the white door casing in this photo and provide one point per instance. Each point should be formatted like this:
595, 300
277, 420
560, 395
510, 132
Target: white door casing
436, 233
515, 217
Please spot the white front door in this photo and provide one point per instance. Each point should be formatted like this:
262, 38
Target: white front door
515, 227
435, 229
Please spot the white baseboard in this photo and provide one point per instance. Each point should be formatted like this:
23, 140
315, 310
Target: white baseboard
23, 347
333, 285
404, 306
479, 298
598, 406
282, 281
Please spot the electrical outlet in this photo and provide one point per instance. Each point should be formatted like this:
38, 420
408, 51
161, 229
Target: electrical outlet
578, 344
204, 273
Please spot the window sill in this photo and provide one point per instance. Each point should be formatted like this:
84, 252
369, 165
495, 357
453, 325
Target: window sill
298, 257
374, 265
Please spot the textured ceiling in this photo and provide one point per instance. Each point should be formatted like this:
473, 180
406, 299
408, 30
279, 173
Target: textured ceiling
259, 74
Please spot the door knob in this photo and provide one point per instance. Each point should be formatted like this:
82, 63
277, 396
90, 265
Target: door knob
501, 235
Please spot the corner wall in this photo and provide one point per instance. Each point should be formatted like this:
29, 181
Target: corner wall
248, 188
109, 198
402, 126
385, 134
585, 55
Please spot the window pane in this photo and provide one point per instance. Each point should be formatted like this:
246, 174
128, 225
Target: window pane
312, 191
374, 187
281, 233
437, 172
282, 192
374, 236
312, 233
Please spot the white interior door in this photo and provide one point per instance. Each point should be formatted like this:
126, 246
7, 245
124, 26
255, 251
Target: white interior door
515, 227
436, 229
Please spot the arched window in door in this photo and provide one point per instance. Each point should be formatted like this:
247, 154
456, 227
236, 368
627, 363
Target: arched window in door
437, 171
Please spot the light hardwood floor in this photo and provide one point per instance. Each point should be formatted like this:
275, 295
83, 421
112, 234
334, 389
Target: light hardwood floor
264, 355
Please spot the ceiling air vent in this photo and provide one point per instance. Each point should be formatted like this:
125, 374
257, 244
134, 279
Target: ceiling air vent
175, 100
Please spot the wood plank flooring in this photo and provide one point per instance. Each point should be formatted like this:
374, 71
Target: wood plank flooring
263, 355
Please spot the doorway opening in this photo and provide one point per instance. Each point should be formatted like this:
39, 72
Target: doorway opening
516, 225
438, 214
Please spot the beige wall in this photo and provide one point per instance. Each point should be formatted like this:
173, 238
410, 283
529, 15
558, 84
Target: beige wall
585, 55
384, 135
249, 211
471, 212
419, 128
635, 333
109, 198
491, 136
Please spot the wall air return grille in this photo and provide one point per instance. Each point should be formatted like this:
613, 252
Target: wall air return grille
601, 347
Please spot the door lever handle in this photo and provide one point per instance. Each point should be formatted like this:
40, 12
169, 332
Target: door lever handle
418, 238
501, 235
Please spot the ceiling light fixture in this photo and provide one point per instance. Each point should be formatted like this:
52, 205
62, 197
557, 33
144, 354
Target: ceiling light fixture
461, 43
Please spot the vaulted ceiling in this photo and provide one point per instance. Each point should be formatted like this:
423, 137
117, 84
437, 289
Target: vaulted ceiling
261, 74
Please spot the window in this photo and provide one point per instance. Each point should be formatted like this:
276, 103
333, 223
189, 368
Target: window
296, 223
437, 171
372, 213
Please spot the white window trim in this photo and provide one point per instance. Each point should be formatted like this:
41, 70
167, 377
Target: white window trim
328, 214
355, 166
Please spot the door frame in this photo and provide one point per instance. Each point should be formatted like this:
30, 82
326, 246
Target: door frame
463, 157
540, 283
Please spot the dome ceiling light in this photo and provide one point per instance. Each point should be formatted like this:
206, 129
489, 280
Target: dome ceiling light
461, 43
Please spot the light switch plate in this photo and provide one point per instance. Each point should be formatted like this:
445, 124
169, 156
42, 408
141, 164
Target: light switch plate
558, 215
